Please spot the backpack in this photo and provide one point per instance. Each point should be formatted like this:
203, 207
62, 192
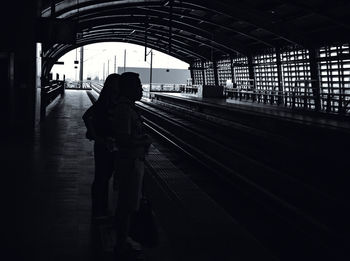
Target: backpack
90, 121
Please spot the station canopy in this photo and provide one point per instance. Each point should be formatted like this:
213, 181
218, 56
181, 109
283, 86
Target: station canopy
194, 29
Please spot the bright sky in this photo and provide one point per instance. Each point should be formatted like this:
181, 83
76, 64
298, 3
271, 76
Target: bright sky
95, 55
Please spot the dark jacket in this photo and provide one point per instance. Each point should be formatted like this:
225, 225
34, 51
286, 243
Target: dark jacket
128, 131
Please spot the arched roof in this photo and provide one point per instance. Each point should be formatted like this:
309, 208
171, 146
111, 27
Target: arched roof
199, 29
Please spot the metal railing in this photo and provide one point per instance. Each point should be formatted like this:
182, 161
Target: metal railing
161, 87
301, 96
49, 93
78, 85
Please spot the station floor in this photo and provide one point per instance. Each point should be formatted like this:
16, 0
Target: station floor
52, 191
49, 197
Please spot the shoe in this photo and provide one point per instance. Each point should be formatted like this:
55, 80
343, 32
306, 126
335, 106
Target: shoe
129, 251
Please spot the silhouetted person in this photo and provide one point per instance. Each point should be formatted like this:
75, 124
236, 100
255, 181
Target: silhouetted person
98, 120
132, 143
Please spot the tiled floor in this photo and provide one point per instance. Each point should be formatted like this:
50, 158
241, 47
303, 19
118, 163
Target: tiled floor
62, 174
52, 178
53, 195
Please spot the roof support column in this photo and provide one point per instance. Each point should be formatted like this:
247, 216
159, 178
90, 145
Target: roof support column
82, 66
233, 77
314, 71
18, 68
216, 76
146, 28
203, 73
251, 69
192, 74
279, 76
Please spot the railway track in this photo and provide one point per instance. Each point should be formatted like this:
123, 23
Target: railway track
97, 87
271, 200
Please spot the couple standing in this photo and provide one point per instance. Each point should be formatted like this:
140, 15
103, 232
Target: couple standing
120, 147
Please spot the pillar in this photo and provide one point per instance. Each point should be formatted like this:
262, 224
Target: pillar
216, 76
233, 77
203, 73
251, 68
192, 74
81, 66
314, 71
280, 76
18, 48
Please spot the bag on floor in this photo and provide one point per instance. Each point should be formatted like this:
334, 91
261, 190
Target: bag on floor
143, 227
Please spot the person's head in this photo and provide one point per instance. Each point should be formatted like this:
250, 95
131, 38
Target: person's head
110, 91
130, 86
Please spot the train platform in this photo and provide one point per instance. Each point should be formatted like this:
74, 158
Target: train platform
321, 120
52, 205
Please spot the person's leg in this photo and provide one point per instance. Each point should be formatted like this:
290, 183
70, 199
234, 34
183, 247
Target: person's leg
103, 172
124, 172
130, 183
122, 227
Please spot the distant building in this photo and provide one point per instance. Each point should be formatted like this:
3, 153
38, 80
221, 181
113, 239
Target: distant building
159, 75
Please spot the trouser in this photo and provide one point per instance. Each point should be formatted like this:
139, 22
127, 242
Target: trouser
104, 168
129, 185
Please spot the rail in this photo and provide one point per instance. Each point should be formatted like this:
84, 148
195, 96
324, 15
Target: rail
96, 86
266, 192
271, 189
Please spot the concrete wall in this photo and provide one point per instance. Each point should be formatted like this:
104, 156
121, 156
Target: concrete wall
18, 22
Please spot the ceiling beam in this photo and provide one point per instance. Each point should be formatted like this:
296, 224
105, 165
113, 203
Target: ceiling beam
322, 11
63, 49
200, 34
242, 12
153, 31
160, 39
162, 11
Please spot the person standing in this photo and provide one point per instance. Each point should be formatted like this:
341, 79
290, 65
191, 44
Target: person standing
132, 143
98, 120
